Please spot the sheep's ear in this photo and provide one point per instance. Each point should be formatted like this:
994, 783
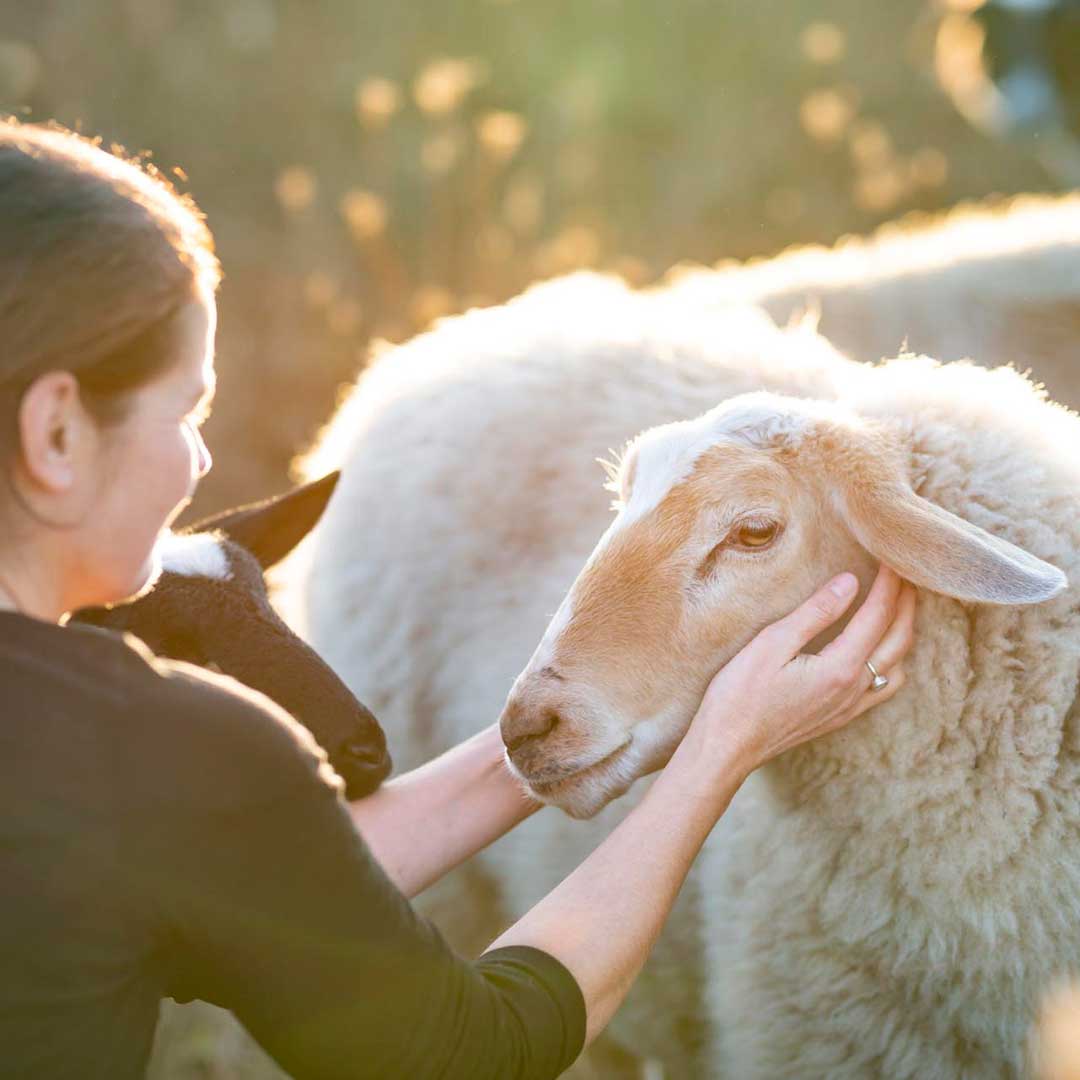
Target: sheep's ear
939, 551
272, 528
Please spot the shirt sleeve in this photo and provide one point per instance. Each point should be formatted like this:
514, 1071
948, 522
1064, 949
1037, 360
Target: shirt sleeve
276, 910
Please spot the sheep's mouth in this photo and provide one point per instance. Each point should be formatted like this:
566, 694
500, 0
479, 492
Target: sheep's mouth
547, 789
363, 769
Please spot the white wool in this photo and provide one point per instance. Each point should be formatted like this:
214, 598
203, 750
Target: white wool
1037, 230
468, 460
195, 555
666, 455
1000, 284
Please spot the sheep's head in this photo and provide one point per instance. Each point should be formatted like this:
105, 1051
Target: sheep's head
725, 524
210, 607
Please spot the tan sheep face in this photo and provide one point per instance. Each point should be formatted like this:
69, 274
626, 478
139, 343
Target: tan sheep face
728, 522
697, 561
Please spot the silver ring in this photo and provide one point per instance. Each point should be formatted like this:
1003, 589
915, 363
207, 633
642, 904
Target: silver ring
880, 681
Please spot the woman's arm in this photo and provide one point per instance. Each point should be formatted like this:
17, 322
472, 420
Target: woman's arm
421, 825
601, 921
267, 901
276, 910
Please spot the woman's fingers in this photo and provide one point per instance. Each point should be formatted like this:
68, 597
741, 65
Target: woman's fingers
814, 615
888, 654
782, 698
897, 640
897, 677
868, 624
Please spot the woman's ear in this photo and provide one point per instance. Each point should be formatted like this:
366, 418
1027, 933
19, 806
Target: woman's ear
53, 432
929, 546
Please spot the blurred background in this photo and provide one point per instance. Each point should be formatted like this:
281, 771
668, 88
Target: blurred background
368, 167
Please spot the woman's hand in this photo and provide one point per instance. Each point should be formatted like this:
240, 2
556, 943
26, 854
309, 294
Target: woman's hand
770, 697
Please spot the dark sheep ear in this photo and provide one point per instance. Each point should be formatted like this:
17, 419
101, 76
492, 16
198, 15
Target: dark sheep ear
272, 528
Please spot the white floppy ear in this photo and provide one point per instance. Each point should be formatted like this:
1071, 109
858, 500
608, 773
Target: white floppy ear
929, 546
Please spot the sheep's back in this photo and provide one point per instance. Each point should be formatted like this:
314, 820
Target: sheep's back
470, 499
997, 283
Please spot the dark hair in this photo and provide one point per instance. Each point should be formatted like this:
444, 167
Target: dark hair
98, 253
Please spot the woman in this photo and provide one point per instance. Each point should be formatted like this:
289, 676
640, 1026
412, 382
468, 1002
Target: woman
165, 833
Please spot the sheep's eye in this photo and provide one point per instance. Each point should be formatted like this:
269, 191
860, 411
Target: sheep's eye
749, 536
755, 534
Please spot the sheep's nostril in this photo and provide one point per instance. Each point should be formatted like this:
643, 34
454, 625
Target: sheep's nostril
515, 737
367, 752
362, 775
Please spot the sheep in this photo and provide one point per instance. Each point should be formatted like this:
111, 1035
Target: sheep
210, 607
457, 582
484, 430
867, 900
1000, 284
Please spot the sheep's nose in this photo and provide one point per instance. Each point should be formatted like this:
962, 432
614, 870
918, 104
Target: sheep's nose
521, 725
367, 753
362, 766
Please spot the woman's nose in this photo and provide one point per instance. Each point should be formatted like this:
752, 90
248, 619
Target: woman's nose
204, 462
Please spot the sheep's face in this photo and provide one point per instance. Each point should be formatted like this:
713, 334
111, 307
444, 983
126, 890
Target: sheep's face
210, 607
725, 524
715, 537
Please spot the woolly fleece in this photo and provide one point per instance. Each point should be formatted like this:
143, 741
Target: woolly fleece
890, 901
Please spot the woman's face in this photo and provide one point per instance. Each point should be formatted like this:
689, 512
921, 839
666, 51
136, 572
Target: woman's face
149, 464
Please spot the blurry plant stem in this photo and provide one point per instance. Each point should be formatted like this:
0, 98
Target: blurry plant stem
475, 275
438, 258
382, 259
378, 161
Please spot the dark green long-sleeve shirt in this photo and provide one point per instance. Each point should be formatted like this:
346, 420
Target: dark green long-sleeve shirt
165, 833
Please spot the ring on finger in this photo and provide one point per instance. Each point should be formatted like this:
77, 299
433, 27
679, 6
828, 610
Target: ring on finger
880, 681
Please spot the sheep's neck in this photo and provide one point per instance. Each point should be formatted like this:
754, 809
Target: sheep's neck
976, 743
